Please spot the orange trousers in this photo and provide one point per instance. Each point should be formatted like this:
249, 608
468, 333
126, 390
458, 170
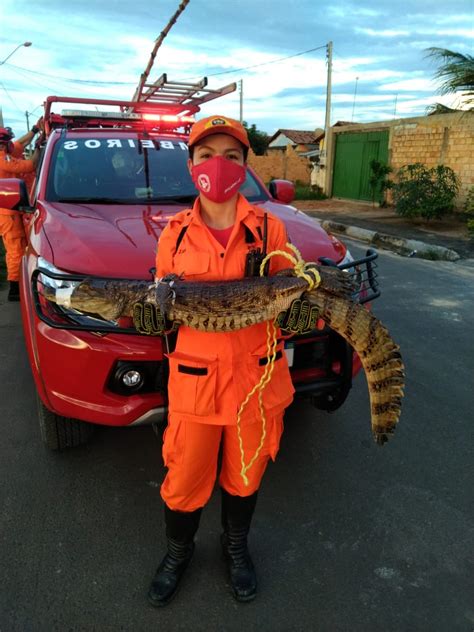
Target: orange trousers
190, 452
14, 240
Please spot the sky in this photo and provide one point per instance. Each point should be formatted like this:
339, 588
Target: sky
99, 49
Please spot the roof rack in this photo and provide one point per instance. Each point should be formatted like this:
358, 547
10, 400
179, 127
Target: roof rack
183, 93
167, 104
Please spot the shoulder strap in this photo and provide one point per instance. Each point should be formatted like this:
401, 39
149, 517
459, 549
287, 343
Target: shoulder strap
182, 233
249, 237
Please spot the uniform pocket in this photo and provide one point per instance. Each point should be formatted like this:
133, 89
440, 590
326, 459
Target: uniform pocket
274, 431
174, 440
192, 264
280, 387
192, 384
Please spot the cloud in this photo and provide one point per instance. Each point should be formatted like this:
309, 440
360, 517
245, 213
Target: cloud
382, 33
112, 42
421, 85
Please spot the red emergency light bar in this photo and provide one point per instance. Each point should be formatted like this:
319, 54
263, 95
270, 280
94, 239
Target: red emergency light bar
177, 115
168, 118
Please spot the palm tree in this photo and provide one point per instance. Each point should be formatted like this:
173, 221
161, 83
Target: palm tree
456, 73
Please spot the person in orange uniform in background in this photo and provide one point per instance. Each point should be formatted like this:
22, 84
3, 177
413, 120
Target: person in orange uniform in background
211, 374
11, 226
19, 148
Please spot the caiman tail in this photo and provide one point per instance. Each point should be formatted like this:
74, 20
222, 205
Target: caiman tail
379, 355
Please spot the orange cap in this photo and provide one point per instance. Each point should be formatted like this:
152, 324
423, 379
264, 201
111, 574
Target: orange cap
218, 125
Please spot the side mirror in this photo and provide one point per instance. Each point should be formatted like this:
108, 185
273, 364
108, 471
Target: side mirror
282, 190
13, 195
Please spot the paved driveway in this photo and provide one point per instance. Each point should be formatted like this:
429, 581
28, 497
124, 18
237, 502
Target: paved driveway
347, 536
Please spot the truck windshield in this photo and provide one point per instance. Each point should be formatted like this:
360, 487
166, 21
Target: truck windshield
129, 170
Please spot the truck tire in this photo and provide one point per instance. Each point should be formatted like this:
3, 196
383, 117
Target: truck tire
333, 400
330, 402
59, 432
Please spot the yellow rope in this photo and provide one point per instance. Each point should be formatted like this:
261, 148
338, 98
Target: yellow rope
313, 278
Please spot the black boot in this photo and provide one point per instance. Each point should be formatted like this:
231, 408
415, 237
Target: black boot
14, 291
180, 530
237, 512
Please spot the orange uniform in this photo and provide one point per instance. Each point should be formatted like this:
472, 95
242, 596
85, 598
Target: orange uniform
212, 373
13, 167
28, 176
11, 226
14, 240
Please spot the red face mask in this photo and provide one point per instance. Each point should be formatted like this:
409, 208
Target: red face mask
218, 178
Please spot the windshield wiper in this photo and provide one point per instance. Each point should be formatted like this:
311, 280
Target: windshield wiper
93, 200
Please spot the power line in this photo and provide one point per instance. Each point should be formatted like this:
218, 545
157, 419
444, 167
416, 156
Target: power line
71, 79
131, 83
42, 84
266, 63
15, 105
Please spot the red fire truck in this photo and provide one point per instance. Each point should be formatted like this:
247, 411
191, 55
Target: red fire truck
107, 184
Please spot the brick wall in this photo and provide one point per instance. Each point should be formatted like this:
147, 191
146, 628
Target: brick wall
285, 164
446, 139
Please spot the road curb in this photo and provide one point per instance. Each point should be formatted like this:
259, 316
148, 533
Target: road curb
400, 245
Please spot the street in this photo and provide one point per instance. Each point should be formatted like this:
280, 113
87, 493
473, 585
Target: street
348, 536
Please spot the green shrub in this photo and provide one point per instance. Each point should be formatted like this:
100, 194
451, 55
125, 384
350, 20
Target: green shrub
378, 180
469, 204
306, 192
423, 192
469, 211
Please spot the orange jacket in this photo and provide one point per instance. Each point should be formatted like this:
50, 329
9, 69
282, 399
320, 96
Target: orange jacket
212, 373
11, 167
18, 150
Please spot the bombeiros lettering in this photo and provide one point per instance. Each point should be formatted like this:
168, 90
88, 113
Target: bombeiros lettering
116, 143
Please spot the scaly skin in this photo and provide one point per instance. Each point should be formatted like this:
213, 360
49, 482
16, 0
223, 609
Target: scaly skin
378, 353
222, 306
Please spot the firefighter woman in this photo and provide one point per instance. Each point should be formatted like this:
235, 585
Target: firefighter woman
11, 225
212, 374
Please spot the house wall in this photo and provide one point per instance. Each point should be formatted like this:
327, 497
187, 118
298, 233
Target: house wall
439, 139
284, 164
280, 141
446, 139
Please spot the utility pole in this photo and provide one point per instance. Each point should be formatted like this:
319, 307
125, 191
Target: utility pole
327, 123
327, 152
354, 102
395, 106
241, 84
27, 121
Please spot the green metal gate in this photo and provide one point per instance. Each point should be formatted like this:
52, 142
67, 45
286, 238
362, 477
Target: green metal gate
353, 154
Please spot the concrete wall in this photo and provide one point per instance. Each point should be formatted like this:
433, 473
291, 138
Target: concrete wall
281, 163
439, 139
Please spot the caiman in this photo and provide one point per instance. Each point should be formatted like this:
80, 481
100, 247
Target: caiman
223, 306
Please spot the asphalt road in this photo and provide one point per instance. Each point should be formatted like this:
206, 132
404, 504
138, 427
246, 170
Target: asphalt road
347, 536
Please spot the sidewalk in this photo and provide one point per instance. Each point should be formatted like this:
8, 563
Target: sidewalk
436, 239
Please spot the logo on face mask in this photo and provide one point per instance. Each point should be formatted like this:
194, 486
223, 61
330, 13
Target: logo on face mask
204, 183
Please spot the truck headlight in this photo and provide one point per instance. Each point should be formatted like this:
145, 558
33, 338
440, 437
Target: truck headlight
348, 258
53, 291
